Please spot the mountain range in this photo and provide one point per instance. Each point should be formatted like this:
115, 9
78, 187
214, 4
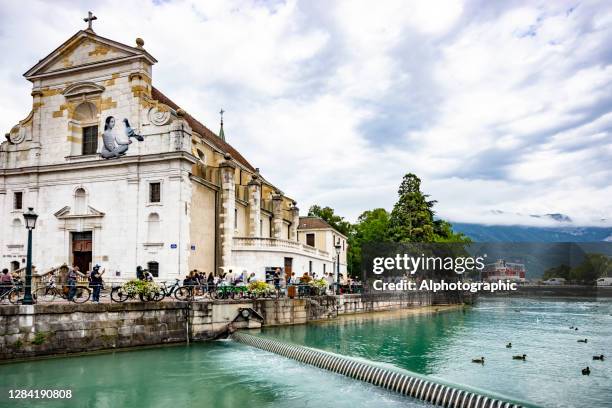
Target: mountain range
520, 233
536, 246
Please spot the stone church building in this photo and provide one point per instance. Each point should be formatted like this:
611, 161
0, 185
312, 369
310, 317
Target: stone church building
121, 176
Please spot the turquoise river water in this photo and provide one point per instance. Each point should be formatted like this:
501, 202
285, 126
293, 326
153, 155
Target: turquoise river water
438, 344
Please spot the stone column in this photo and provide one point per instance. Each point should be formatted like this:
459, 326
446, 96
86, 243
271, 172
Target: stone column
227, 212
277, 215
254, 188
293, 231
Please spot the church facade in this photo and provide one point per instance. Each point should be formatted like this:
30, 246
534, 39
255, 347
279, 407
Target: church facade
121, 176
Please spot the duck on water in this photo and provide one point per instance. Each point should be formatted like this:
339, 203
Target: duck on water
478, 360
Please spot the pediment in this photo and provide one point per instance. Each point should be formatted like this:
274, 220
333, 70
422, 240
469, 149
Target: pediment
67, 212
82, 88
85, 50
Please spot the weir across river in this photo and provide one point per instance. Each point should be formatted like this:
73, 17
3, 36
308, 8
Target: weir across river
403, 383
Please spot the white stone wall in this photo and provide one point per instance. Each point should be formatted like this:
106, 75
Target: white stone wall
324, 240
120, 240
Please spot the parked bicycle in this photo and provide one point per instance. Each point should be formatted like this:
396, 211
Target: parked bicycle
121, 294
229, 292
182, 293
50, 293
14, 294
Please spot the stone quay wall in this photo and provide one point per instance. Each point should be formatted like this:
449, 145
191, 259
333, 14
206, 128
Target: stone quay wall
52, 329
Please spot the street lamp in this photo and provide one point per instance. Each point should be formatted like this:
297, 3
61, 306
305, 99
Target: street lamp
30, 222
338, 248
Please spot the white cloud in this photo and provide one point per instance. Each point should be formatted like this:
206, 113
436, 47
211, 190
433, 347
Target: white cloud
494, 106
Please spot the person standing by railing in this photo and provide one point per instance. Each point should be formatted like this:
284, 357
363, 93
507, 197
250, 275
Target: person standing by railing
276, 279
139, 273
96, 282
251, 278
6, 281
73, 274
210, 282
330, 283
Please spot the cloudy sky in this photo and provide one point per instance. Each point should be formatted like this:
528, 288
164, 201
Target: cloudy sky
497, 106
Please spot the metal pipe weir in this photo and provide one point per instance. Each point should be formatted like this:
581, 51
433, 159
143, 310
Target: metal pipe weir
411, 386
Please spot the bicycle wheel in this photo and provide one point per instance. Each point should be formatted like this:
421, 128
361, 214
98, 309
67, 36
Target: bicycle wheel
45, 295
183, 294
119, 295
16, 296
159, 296
82, 295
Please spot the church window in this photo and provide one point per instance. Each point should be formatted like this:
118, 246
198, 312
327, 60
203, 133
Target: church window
18, 231
80, 201
235, 219
90, 139
310, 240
155, 192
310, 266
153, 267
18, 200
153, 230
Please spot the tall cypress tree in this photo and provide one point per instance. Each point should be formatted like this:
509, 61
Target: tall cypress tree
412, 218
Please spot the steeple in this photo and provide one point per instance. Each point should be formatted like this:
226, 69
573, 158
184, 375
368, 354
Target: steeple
221, 132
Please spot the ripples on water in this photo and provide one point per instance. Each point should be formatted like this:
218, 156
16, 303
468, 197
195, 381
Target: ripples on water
206, 375
443, 344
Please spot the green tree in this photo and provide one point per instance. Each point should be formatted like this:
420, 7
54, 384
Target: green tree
328, 214
372, 227
561, 271
593, 266
412, 217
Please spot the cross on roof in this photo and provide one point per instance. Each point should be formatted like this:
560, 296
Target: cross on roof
89, 20
221, 112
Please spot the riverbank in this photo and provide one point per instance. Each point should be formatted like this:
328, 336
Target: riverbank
61, 329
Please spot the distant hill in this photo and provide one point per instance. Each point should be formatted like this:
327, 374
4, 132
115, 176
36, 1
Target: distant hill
518, 233
537, 247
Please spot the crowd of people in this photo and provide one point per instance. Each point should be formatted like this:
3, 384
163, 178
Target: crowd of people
200, 281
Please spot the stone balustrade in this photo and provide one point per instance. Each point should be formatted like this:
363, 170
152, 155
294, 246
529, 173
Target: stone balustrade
266, 243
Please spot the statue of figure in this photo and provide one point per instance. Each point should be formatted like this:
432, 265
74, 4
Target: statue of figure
115, 145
